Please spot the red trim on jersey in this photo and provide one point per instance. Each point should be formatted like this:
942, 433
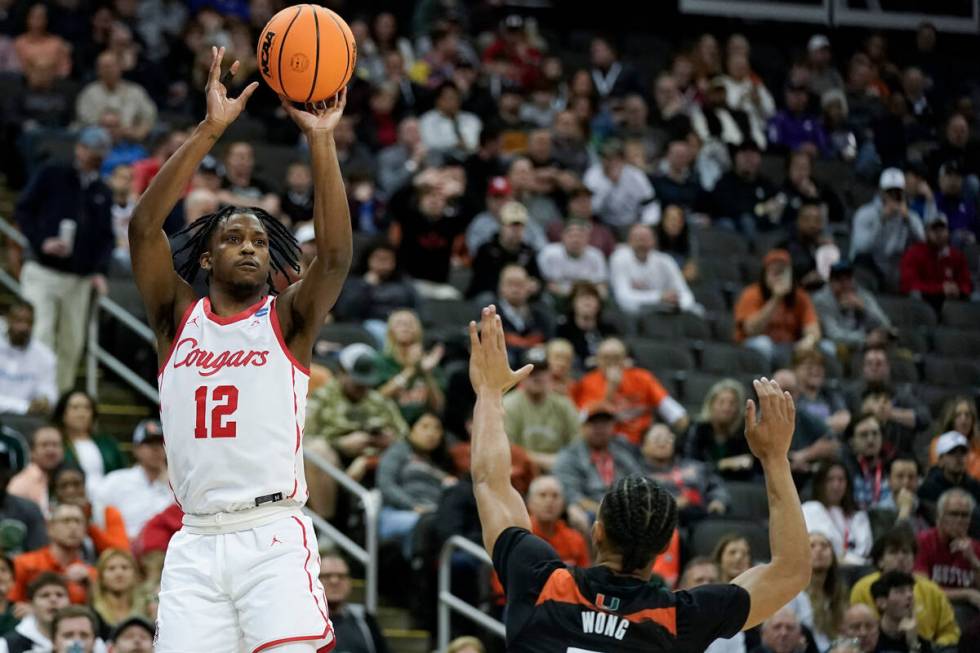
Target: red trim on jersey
231, 319
298, 436
274, 316
305, 638
173, 343
328, 630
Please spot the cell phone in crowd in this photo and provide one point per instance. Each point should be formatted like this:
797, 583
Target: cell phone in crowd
66, 232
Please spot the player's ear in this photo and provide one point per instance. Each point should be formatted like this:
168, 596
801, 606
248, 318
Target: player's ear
205, 260
598, 534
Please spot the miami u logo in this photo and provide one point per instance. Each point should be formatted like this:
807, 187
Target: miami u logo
608, 603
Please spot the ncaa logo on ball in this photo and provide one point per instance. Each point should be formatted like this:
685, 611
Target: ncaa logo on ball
266, 48
299, 62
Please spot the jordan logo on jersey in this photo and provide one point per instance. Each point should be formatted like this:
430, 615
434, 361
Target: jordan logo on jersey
187, 354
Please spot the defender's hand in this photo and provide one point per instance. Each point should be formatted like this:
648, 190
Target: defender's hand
770, 436
489, 369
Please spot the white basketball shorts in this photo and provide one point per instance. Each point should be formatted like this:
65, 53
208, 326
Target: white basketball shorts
249, 590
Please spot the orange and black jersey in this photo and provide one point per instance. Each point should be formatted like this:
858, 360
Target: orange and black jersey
552, 608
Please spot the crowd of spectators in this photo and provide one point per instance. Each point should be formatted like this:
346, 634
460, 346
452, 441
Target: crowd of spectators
652, 239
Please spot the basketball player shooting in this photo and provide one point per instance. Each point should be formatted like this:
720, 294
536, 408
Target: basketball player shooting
243, 570
612, 606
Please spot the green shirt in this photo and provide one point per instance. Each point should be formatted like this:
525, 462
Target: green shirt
542, 428
330, 414
414, 399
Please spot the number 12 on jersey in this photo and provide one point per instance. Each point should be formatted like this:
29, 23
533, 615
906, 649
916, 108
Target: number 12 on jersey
224, 402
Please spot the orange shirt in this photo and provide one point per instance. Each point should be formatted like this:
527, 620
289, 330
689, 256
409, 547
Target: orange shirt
786, 323
567, 542
638, 396
27, 566
667, 565
113, 536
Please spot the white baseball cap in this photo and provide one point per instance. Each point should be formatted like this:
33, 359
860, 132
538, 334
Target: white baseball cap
817, 41
949, 441
891, 178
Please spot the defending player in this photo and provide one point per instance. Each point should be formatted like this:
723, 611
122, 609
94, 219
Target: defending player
233, 379
612, 606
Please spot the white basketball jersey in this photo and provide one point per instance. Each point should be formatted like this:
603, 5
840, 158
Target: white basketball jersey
232, 405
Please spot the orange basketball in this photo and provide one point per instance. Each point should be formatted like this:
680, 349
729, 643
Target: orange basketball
307, 53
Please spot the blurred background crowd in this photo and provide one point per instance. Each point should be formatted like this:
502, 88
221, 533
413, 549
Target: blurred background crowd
660, 214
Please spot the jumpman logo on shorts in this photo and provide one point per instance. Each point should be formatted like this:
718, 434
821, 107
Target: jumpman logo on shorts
275, 541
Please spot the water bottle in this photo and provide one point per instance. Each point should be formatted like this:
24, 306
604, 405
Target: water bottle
75, 647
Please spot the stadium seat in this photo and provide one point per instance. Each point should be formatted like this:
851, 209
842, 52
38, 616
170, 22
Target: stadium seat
748, 501
962, 315
956, 342
951, 372
673, 326
448, 312
766, 241
733, 360
751, 266
660, 357
934, 396
907, 311
723, 327
711, 296
614, 315
696, 386
914, 339
718, 242
334, 337
707, 533
720, 268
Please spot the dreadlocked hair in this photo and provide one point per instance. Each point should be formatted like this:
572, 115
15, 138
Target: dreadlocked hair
283, 247
639, 517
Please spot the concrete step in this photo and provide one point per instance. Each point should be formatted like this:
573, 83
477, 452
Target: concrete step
408, 641
394, 618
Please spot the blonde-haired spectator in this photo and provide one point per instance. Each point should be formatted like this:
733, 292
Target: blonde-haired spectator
411, 377
466, 645
117, 594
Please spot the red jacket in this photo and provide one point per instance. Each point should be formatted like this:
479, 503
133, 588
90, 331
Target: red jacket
924, 268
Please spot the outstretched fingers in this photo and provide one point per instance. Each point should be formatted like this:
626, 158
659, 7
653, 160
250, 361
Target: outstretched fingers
749, 414
214, 74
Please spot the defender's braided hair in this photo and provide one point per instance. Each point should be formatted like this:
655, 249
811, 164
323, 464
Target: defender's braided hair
639, 517
283, 247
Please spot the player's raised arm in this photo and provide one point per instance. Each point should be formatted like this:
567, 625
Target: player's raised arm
304, 305
774, 584
499, 504
163, 291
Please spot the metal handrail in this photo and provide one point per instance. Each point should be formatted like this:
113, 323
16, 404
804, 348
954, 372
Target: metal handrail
449, 601
367, 554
